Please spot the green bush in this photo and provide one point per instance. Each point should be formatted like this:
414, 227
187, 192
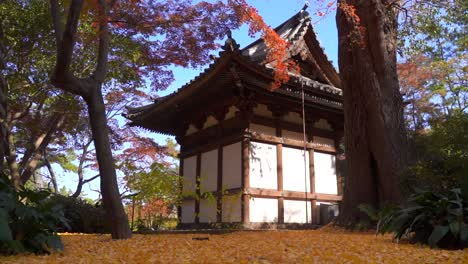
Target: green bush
83, 217
27, 222
437, 219
440, 156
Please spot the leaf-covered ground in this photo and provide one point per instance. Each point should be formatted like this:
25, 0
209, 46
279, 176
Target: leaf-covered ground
311, 246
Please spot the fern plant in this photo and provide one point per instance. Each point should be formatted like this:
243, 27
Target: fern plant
438, 219
28, 223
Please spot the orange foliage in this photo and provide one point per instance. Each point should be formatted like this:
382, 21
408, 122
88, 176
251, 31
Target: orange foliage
311, 246
357, 33
277, 47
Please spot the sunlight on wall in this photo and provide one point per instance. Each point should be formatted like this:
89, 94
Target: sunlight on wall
325, 173
263, 210
263, 166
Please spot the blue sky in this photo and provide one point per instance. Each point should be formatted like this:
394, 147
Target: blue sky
274, 12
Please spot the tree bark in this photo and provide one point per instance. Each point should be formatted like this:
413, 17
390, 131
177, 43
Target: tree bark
109, 187
11, 160
375, 135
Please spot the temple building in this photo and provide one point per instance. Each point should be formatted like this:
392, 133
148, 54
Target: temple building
243, 157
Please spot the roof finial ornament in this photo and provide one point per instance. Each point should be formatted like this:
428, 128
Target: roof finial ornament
230, 44
306, 5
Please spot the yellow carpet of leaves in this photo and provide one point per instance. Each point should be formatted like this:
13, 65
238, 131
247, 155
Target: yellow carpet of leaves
311, 246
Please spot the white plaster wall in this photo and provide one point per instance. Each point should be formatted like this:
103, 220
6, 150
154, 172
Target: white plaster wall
208, 210
323, 124
321, 141
209, 171
188, 211
325, 173
263, 164
293, 135
295, 211
270, 131
210, 121
189, 172
293, 170
262, 110
232, 166
231, 112
263, 210
293, 117
231, 211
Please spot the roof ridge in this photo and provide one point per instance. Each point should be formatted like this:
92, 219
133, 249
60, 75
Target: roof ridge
303, 14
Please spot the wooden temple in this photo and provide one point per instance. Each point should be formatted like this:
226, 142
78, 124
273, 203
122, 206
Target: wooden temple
242, 144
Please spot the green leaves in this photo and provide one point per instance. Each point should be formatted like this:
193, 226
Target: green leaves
5, 231
27, 221
438, 219
437, 234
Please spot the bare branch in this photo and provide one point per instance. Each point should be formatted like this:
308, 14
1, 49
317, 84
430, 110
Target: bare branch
53, 179
91, 179
29, 162
21, 114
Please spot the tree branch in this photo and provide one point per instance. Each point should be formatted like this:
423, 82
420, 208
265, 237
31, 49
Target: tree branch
29, 164
56, 17
65, 38
53, 179
101, 68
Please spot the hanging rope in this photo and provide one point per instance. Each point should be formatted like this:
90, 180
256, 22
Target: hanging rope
305, 149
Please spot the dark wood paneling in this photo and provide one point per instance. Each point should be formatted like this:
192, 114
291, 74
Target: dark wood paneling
197, 189
279, 172
219, 196
181, 181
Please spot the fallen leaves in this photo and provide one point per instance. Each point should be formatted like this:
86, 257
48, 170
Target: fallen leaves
311, 246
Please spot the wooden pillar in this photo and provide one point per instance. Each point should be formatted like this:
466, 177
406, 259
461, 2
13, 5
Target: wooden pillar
181, 182
312, 187
197, 190
245, 180
279, 173
219, 197
339, 159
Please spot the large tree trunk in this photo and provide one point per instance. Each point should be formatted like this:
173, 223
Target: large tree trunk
109, 187
375, 136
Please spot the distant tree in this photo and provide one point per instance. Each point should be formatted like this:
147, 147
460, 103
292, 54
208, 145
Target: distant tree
433, 75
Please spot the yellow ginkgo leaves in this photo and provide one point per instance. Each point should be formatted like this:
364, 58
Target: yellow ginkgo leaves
310, 246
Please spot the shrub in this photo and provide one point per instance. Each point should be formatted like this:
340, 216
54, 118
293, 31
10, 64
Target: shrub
440, 156
437, 219
27, 222
83, 217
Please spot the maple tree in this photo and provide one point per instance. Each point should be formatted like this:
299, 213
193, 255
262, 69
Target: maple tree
35, 114
164, 33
